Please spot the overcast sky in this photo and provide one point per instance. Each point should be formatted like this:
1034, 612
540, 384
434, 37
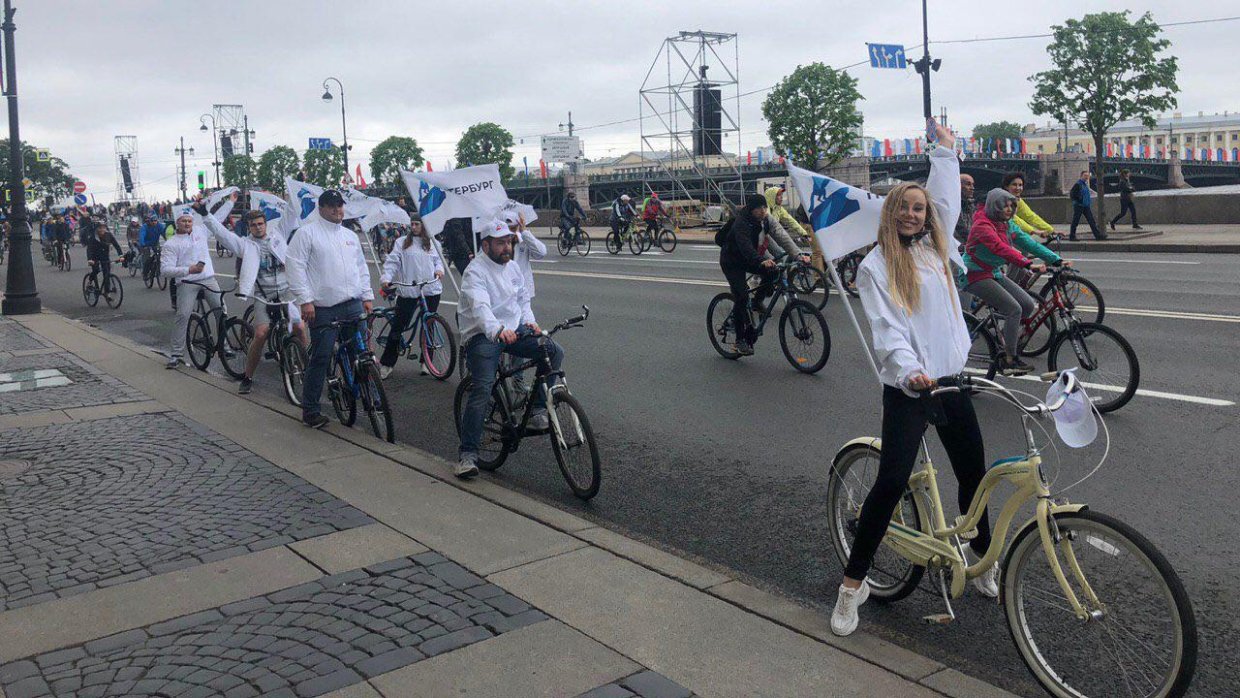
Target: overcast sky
91, 70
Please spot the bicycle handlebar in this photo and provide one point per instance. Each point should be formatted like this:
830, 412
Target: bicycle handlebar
959, 383
212, 290
571, 322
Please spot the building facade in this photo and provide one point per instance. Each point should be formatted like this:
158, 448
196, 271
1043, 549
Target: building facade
1209, 131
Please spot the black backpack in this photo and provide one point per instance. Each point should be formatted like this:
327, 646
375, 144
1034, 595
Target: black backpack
723, 234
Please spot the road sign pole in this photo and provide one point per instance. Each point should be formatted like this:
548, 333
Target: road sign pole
21, 297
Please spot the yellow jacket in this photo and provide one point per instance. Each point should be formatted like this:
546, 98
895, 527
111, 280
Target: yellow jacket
780, 213
1029, 221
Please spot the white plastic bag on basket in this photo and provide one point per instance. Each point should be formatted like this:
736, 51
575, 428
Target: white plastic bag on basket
1074, 420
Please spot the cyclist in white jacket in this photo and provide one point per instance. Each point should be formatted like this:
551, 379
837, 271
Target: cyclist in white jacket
529, 248
186, 257
413, 260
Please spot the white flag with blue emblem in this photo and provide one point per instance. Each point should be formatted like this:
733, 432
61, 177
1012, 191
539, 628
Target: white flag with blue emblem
387, 212
281, 218
843, 218
464, 193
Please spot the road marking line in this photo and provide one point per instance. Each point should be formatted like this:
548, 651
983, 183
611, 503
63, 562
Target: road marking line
638, 259
1172, 314
630, 277
1197, 399
1132, 261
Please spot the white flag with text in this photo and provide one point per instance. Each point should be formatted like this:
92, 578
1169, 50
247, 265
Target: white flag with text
465, 193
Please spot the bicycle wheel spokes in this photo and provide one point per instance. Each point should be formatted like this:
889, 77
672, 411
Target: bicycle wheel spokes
199, 342
1141, 639
574, 446
236, 344
374, 399
804, 337
294, 370
116, 293
721, 327
1104, 360
438, 347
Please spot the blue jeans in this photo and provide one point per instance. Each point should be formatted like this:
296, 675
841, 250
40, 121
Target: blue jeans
482, 356
322, 344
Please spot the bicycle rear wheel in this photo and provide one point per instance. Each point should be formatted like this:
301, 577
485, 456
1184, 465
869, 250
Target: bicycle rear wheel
983, 359
613, 243
374, 401
720, 326
1104, 360
293, 369
563, 244
438, 347
667, 241
583, 244
199, 342
572, 440
236, 345
493, 447
116, 294
853, 474
344, 403
148, 279
1141, 639
804, 337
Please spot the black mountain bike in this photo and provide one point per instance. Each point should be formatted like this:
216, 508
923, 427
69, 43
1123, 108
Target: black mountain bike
282, 346
803, 332
151, 275
354, 376
212, 331
114, 295
572, 438
572, 236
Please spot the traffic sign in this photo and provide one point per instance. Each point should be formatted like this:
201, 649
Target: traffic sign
561, 148
79, 187
43, 155
321, 144
79, 199
27, 183
887, 56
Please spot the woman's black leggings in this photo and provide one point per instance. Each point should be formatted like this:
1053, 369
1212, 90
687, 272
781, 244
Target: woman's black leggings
904, 422
405, 308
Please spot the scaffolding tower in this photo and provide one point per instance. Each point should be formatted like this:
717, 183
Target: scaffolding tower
688, 116
128, 181
231, 124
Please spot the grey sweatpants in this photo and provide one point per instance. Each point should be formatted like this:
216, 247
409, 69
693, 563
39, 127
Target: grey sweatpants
1009, 301
187, 297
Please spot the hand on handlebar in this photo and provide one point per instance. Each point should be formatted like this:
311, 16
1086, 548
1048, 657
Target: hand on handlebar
1038, 266
197, 268
506, 336
920, 381
768, 264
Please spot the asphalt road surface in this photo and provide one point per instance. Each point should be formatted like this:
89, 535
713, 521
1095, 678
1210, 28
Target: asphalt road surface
727, 461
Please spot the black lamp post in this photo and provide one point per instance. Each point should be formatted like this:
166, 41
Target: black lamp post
327, 97
20, 295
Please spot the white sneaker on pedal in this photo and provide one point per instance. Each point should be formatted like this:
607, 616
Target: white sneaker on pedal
988, 584
844, 618
385, 371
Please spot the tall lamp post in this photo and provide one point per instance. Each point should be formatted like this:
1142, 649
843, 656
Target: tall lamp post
215, 147
20, 295
327, 97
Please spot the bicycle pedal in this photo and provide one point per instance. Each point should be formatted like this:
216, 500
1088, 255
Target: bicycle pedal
969, 534
938, 618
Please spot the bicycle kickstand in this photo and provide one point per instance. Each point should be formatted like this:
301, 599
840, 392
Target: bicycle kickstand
942, 618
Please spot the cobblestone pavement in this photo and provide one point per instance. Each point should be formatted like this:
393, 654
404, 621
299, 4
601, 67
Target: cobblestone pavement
89, 387
304, 641
108, 501
14, 337
646, 684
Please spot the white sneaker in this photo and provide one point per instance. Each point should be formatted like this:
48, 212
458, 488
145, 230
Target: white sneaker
467, 467
844, 618
539, 420
385, 371
424, 372
988, 584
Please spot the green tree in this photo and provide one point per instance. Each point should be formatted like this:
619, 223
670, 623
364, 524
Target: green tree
324, 167
486, 143
393, 154
239, 170
48, 178
998, 130
1106, 69
276, 164
813, 115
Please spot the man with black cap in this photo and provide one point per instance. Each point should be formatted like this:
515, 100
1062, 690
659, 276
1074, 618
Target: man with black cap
329, 279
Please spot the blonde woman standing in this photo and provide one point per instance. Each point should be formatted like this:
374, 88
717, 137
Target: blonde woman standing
918, 335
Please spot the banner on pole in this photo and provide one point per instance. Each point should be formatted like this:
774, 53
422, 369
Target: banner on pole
468, 192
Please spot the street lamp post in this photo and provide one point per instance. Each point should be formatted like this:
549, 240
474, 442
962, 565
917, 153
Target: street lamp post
215, 148
182, 151
20, 295
924, 64
344, 128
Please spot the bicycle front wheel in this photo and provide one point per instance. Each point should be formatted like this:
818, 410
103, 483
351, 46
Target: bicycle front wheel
1104, 360
438, 347
583, 244
90, 292
199, 342
233, 350
635, 243
493, 446
293, 368
1141, 637
1082, 296
667, 241
572, 439
374, 401
847, 269
804, 337
853, 474
720, 326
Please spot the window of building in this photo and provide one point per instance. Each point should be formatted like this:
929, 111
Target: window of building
1218, 138
1158, 141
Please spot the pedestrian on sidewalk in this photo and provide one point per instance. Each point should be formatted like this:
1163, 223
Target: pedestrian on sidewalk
330, 281
1082, 201
412, 261
1126, 205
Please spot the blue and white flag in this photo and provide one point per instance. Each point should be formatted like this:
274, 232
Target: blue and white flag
525, 211
386, 212
187, 209
304, 198
843, 218
281, 218
468, 192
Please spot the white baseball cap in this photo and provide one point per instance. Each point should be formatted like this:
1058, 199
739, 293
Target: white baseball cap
1074, 420
496, 229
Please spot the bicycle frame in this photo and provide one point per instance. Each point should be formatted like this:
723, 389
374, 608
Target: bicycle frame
783, 289
349, 351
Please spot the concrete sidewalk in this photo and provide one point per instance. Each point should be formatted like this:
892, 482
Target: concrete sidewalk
165, 536
1170, 239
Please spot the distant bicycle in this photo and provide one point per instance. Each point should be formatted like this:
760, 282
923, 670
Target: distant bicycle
568, 239
437, 341
221, 251
656, 234
354, 376
151, 275
572, 438
846, 267
635, 239
212, 331
803, 332
113, 296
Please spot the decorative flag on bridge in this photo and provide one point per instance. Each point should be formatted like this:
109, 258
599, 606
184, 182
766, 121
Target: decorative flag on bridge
361, 181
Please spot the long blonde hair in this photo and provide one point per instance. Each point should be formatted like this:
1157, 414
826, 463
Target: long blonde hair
901, 267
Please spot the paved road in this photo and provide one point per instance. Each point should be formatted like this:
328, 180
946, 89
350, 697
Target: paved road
727, 461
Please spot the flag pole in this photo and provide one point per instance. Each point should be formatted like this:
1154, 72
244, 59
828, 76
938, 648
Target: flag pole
852, 316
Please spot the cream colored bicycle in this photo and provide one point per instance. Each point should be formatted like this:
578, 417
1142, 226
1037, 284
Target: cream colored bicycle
1093, 608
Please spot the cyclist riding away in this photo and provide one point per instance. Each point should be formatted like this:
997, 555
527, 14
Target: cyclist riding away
495, 318
995, 241
918, 335
572, 216
622, 214
98, 257
744, 249
412, 261
262, 264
